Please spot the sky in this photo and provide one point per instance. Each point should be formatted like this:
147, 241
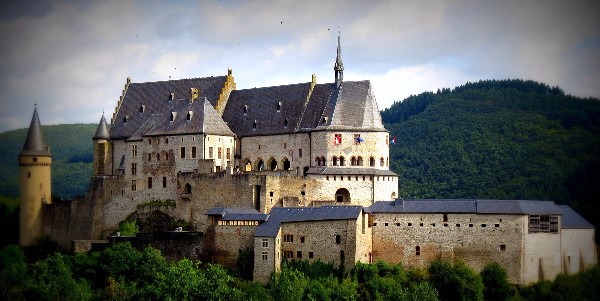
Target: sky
72, 58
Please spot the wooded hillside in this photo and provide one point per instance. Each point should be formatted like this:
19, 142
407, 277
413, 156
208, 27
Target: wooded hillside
508, 139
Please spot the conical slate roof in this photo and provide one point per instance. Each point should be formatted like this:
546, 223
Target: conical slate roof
35, 144
102, 133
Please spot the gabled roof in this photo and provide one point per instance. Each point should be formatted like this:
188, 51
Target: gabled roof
280, 215
260, 105
238, 214
155, 99
35, 143
102, 132
465, 206
572, 220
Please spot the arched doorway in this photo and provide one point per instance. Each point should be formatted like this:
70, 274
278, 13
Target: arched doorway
188, 188
272, 164
246, 166
342, 195
305, 170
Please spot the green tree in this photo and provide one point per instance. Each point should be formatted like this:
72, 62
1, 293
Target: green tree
495, 282
288, 285
455, 282
52, 279
129, 228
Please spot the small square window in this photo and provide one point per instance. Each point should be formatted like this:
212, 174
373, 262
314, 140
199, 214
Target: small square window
410, 224
496, 225
470, 225
502, 248
310, 254
397, 224
302, 239
458, 225
483, 225
385, 224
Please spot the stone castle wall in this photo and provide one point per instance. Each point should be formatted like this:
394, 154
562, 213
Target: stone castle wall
293, 147
418, 239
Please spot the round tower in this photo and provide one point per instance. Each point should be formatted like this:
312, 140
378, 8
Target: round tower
35, 183
102, 149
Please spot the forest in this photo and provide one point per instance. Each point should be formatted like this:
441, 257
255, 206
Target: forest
121, 272
498, 139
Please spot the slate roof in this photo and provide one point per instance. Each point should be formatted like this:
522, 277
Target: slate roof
465, 206
35, 143
102, 132
280, 215
572, 220
155, 96
261, 106
238, 214
325, 170
352, 106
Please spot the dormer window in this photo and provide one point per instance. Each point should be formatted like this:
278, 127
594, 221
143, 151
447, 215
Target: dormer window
172, 96
279, 106
142, 108
324, 120
254, 124
285, 123
125, 118
189, 115
245, 109
173, 115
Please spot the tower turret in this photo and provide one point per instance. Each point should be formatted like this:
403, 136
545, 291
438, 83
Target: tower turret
35, 182
102, 149
339, 66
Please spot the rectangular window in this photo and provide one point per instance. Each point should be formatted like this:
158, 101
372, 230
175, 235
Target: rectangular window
228, 154
299, 254
210, 152
311, 255
502, 248
265, 242
150, 155
265, 255
219, 153
133, 185
182, 155
134, 150
193, 152
164, 182
302, 239
149, 182
543, 223
337, 139
133, 169
300, 153
288, 238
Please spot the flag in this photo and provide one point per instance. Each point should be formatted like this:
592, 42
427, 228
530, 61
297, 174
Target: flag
360, 139
393, 141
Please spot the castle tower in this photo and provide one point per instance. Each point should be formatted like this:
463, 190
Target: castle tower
339, 66
102, 149
35, 183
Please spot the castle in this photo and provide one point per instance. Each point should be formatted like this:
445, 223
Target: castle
297, 171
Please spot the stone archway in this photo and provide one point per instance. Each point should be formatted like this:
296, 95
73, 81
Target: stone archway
272, 164
246, 165
286, 164
342, 195
260, 164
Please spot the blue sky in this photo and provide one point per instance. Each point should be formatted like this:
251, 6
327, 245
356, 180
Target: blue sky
72, 58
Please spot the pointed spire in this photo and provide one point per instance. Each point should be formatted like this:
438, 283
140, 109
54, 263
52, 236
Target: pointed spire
339, 66
35, 144
102, 133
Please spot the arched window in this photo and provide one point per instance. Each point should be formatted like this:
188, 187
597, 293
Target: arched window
158, 157
359, 161
338, 239
381, 162
247, 166
342, 195
286, 164
188, 188
323, 162
318, 161
371, 161
334, 161
418, 251
285, 123
353, 161
260, 165
387, 161
393, 196
272, 164
342, 161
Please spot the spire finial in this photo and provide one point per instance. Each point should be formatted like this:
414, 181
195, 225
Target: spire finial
339, 66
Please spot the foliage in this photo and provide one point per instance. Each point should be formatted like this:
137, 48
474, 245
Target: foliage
495, 282
128, 228
71, 149
455, 282
245, 263
498, 139
9, 220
